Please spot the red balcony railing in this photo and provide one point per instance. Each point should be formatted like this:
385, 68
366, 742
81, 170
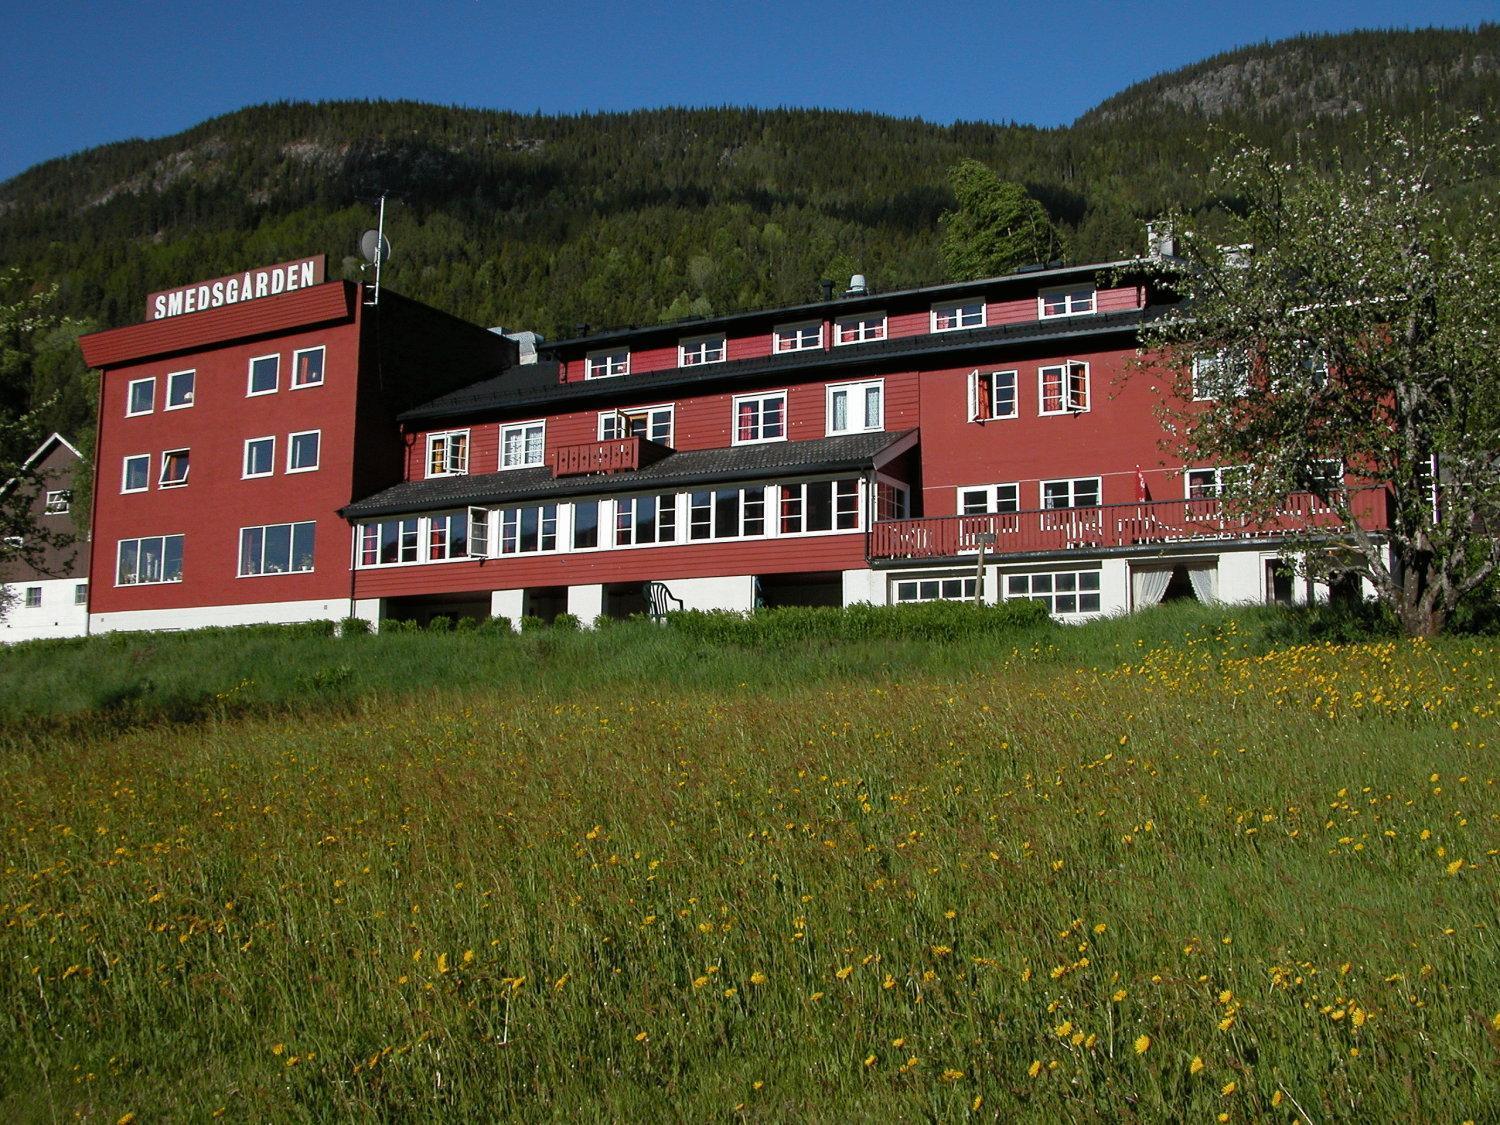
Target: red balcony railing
1113, 525
618, 455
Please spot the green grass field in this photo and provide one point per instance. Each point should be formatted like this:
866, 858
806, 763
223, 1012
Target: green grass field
1168, 867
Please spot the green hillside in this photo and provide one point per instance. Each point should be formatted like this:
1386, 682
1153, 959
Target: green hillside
555, 222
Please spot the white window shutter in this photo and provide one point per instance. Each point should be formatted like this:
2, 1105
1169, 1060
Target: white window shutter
479, 533
974, 395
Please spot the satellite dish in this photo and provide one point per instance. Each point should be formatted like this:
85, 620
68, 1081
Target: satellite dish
375, 247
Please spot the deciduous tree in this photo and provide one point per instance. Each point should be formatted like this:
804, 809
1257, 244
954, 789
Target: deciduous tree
1349, 318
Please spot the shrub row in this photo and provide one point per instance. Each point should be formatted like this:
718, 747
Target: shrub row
928, 621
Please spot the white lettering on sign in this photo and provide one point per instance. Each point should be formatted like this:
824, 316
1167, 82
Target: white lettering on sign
267, 281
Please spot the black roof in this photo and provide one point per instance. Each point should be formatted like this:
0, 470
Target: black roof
841, 305
538, 386
695, 466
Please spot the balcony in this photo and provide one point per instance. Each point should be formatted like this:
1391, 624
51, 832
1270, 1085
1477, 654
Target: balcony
1110, 527
616, 456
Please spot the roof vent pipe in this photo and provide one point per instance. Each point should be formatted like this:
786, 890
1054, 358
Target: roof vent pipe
857, 286
827, 286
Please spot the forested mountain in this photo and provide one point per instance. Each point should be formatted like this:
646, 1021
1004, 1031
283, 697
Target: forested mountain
554, 222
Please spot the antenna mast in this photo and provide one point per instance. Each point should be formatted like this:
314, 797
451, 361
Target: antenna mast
376, 250
380, 244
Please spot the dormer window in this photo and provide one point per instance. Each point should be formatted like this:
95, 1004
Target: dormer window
1072, 300
953, 315
604, 364
448, 454
1064, 389
797, 337
700, 350
859, 329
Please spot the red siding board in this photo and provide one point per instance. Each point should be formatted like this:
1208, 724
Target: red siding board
320, 304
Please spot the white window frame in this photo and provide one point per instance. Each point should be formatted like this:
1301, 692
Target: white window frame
245, 473
665, 502
746, 502
59, 502
1049, 597
867, 334
604, 516
125, 472
509, 529
856, 393
161, 479
1209, 382
120, 551
1071, 403
429, 531
651, 414
171, 378
977, 394
956, 309
609, 359
291, 447
33, 597
418, 532
797, 334
523, 428
761, 397
1073, 493
449, 468
706, 347
250, 391
322, 367
1070, 306
130, 411
80, 593
479, 545
292, 526
1006, 492
951, 588
777, 518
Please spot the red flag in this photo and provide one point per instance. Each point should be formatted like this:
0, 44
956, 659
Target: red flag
1142, 493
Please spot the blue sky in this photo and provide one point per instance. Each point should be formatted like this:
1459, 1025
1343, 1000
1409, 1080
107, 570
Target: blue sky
73, 75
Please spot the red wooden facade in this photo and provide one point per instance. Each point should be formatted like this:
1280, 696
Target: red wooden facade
1004, 407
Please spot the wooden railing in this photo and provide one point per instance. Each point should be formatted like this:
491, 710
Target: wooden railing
1110, 526
619, 455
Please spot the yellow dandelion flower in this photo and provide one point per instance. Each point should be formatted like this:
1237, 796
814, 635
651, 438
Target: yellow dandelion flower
1063, 1029
941, 950
889, 982
869, 1060
468, 956
728, 992
1495, 1023
442, 963
843, 974
1196, 1065
1100, 928
898, 1042
699, 982
758, 977
125, 1119
1226, 1023
815, 997
277, 1048
952, 1075
1229, 1087
641, 1037
1276, 1098
1142, 1044
1455, 867
978, 1101
1226, 996
1035, 1068
416, 955
1119, 995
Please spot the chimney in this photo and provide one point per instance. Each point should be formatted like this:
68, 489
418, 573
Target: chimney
527, 342
1160, 241
826, 285
857, 286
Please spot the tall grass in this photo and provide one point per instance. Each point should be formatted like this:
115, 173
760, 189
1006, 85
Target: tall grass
1153, 869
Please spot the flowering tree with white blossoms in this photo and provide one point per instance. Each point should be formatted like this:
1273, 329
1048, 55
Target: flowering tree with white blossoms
1347, 324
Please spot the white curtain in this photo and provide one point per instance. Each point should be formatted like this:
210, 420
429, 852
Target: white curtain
1205, 580
1148, 586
